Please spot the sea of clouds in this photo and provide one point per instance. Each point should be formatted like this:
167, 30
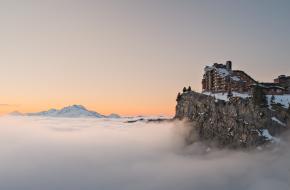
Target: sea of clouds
100, 154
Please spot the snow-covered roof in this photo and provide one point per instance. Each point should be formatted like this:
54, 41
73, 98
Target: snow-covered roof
208, 68
222, 72
269, 85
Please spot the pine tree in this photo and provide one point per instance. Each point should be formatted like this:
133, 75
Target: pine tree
230, 94
272, 99
178, 96
184, 89
259, 96
189, 89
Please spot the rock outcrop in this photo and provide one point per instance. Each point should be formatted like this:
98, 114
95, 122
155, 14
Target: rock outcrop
236, 123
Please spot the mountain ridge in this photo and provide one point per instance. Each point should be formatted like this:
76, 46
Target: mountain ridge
71, 111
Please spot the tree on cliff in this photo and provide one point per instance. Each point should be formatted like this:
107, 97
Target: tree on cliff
178, 96
189, 89
184, 89
230, 94
272, 99
259, 96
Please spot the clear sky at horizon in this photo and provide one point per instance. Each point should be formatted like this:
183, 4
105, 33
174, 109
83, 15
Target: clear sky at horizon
132, 57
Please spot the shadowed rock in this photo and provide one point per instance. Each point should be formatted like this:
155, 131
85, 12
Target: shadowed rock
235, 123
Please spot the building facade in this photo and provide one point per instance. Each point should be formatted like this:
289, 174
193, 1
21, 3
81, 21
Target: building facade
221, 78
283, 81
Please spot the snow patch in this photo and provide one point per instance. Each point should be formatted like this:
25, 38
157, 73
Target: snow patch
268, 136
278, 121
224, 96
284, 100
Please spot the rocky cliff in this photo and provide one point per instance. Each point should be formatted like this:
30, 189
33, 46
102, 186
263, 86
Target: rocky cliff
235, 123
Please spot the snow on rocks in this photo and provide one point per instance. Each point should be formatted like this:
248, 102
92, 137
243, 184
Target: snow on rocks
224, 96
284, 100
278, 121
268, 136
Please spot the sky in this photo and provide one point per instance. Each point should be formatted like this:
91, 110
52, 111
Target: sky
132, 57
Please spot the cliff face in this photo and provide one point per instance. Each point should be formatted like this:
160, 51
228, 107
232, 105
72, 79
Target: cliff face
235, 123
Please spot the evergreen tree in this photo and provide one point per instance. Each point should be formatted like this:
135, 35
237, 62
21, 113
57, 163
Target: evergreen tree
259, 96
230, 94
189, 89
272, 99
184, 89
178, 96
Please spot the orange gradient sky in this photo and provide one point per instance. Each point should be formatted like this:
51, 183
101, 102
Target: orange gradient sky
132, 57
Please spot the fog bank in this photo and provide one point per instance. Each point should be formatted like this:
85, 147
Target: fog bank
88, 154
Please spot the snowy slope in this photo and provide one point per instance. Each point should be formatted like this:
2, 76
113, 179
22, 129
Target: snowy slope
72, 111
224, 96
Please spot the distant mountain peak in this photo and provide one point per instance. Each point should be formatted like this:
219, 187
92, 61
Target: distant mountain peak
113, 115
75, 106
72, 111
16, 113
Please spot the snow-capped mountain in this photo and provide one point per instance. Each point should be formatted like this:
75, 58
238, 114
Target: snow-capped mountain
16, 113
72, 111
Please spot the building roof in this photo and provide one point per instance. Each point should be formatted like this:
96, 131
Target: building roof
268, 85
243, 72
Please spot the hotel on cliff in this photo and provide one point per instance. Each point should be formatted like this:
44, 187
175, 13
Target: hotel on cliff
221, 78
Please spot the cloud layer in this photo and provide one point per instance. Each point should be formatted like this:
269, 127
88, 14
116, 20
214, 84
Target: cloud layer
89, 154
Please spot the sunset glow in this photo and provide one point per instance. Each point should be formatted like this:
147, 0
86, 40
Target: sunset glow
131, 57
